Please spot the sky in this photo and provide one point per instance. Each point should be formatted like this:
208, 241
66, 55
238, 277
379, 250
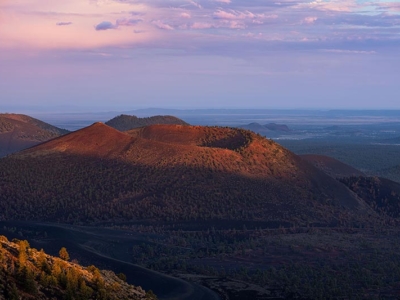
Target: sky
129, 54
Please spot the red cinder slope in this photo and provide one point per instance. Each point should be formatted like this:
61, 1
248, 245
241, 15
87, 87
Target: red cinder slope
170, 172
98, 140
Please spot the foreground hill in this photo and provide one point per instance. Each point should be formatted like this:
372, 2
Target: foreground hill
126, 122
30, 274
331, 166
19, 132
169, 173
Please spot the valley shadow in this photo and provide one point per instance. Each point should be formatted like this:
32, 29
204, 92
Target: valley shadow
51, 237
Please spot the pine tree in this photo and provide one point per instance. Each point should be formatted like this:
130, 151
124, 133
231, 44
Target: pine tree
11, 292
22, 255
64, 254
27, 279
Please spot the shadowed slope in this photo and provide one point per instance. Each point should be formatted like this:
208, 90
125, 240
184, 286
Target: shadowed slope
19, 132
382, 194
169, 173
392, 173
331, 166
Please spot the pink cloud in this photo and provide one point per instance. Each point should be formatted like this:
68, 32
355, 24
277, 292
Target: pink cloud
118, 20
232, 15
334, 5
259, 22
239, 15
161, 25
342, 51
185, 15
128, 22
310, 20
201, 25
195, 4
236, 25
64, 23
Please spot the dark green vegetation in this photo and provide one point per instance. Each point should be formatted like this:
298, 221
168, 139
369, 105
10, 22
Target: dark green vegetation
19, 132
126, 122
26, 273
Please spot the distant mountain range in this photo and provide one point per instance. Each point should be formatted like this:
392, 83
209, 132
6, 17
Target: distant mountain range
19, 132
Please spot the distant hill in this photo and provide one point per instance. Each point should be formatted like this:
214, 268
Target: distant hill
271, 129
26, 273
331, 166
256, 127
19, 132
126, 122
169, 173
277, 127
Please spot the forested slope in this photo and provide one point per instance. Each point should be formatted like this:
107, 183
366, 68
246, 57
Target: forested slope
169, 173
26, 273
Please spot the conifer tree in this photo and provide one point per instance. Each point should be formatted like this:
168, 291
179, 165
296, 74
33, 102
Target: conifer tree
64, 254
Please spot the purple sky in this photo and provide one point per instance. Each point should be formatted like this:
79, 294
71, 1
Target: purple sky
128, 54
